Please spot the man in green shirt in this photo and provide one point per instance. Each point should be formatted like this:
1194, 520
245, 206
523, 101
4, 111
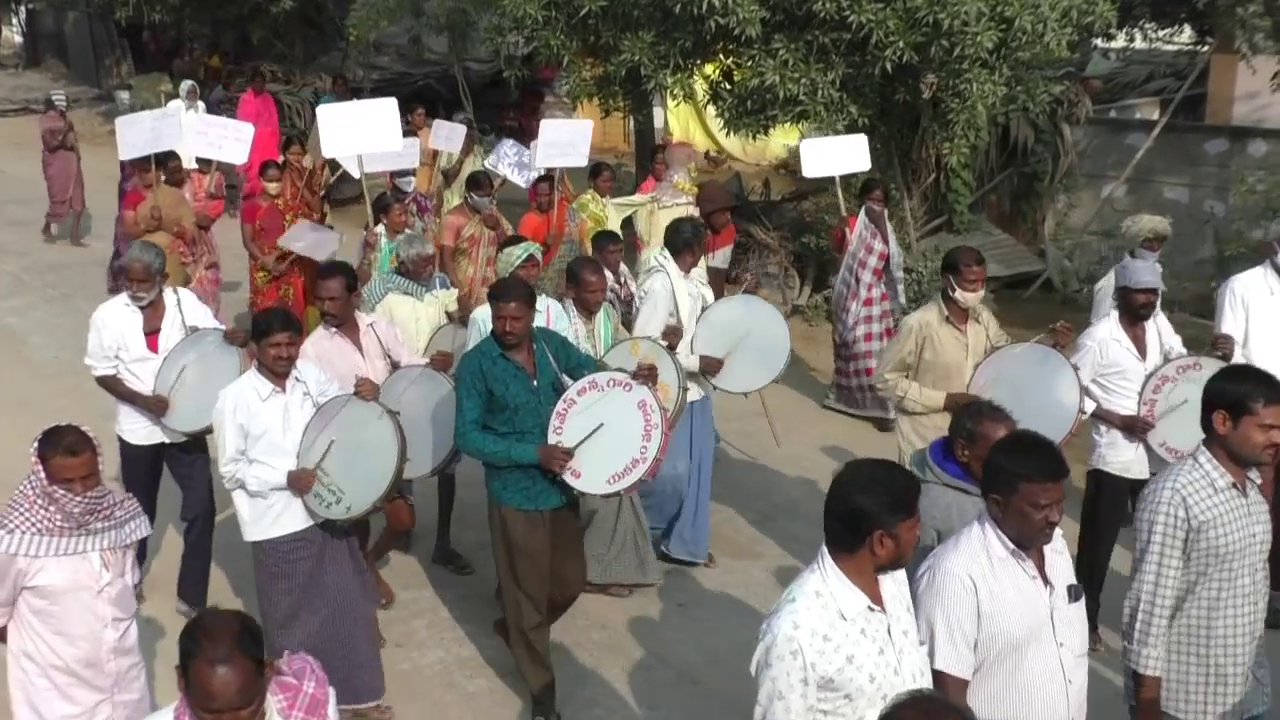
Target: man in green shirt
508, 385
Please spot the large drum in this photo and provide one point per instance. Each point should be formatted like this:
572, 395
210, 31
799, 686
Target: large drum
192, 375
751, 336
1036, 384
425, 404
450, 338
616, 429
1170, 401
671, 389
357, 449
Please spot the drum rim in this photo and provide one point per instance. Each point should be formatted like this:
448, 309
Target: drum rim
682, 395
398, 477
1146, 384
785, 363
244, 358
658, 456
453, 445
1075, 425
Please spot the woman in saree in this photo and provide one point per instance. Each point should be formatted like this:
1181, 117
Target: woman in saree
453, 170
425, 178
275, 278
122, 239
258, 108
156, 211
63, 176
470, 235
378, 252
206, 190
302, 199
657, 170
536, 224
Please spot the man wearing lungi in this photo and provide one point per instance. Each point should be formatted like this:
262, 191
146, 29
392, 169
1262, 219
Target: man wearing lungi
315, 592
129, 337
350, 345
508, 385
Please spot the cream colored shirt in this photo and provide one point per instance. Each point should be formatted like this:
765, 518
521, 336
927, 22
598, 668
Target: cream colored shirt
930, 357
417, 320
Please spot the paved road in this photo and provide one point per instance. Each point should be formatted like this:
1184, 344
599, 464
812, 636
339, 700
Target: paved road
680, 651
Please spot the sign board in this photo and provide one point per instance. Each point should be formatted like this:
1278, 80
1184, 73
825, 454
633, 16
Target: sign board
447, 136
514, 162
407, 157
835, 155
148, 132
359, 127
312, 240
563, 143
217, 138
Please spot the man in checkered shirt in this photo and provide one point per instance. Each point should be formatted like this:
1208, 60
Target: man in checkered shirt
1194, 616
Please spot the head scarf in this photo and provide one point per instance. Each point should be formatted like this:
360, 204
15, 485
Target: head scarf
1137, 228
46, 521
1139, 274
514, 256
59, 99
183, 88
299, 690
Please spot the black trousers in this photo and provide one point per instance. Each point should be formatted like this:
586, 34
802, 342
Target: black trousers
141, 467
1107, 499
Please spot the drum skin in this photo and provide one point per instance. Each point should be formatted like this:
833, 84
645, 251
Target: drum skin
672, 390
450, 338
1170, 400
1036, 384
192, 375
425, 403
357, 449
751, 336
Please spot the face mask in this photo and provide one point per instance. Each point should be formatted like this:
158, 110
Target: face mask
271, 188
144, 300
964, 298
481, 204
406, 184
1145, 254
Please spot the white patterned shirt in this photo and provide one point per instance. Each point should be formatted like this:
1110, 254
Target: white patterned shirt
826, 652
1194, 616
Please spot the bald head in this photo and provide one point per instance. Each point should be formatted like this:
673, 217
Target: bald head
222, 663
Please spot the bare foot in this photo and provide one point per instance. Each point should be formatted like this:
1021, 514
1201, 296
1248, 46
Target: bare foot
46, 232
711, 562
385, 593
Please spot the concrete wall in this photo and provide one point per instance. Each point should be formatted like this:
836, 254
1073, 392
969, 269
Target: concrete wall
1188, 174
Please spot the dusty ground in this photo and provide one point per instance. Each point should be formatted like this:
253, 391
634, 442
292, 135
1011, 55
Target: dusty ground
679, 651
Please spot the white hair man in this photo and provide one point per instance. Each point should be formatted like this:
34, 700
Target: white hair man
1147, 235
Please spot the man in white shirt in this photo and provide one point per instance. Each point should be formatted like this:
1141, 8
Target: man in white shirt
315, 592
842, 643
129, 337
669, 301
998, 605
521, 257
1113, 358
1147, 234
224, 671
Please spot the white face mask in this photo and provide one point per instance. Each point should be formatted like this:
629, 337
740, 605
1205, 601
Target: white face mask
406, 183
964, 298
480, 204
144, 300
1142, 253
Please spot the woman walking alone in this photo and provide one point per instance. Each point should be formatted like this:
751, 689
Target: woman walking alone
63, 176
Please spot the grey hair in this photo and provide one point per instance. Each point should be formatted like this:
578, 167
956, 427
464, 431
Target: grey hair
411, 247
148, 255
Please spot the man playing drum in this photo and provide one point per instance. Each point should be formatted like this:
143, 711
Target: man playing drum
522, 258
1114, 357
508, 385
129, 336
350, 345
619, 551
925, 370
315, 592
671, 298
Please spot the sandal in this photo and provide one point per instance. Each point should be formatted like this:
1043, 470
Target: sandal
452, 560
1095, 641
381, 711
614, 591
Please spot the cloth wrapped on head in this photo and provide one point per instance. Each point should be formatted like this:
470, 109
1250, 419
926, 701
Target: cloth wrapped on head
513, 257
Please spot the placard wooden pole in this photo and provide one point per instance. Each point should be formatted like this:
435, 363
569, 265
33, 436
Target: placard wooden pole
769, 418
364, 190
555, 213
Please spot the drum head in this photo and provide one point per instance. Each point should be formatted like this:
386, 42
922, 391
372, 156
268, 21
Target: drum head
1036, 384
199, 367
357, 450
751, 336
617, 429
450, 338
671, 389
1170, 400
424, 402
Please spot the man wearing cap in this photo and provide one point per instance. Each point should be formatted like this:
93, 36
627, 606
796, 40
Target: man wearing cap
715, 205
1114, 356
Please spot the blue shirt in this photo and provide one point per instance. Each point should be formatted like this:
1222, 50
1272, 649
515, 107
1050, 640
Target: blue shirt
503, 415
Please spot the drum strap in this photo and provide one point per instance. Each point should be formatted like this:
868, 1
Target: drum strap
177, 299
390, 360
564, 379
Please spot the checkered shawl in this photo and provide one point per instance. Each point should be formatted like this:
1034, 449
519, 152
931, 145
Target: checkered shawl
299, 690
42, 520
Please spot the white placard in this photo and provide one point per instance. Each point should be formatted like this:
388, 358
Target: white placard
514, 162
563, 143
447, 136
359, 127
312, 240
217, 138
835, 155
148, 132
408, 157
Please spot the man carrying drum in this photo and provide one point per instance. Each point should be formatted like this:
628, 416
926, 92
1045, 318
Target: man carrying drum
522, 258
349, 346
508, 385
129, 336
1114, 357
316, 594
925, 370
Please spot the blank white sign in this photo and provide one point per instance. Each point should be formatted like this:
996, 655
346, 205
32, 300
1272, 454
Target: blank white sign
563, 143
834, 155
359, 127
407, 157
218, 138
148, 132
312, 240
447, 136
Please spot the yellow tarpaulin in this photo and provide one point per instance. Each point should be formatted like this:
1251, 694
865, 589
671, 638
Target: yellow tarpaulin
699, 126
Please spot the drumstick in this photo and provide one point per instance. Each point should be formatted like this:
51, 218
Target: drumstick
177, 379
1169, 411
586, 438
319, 468
772, 428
